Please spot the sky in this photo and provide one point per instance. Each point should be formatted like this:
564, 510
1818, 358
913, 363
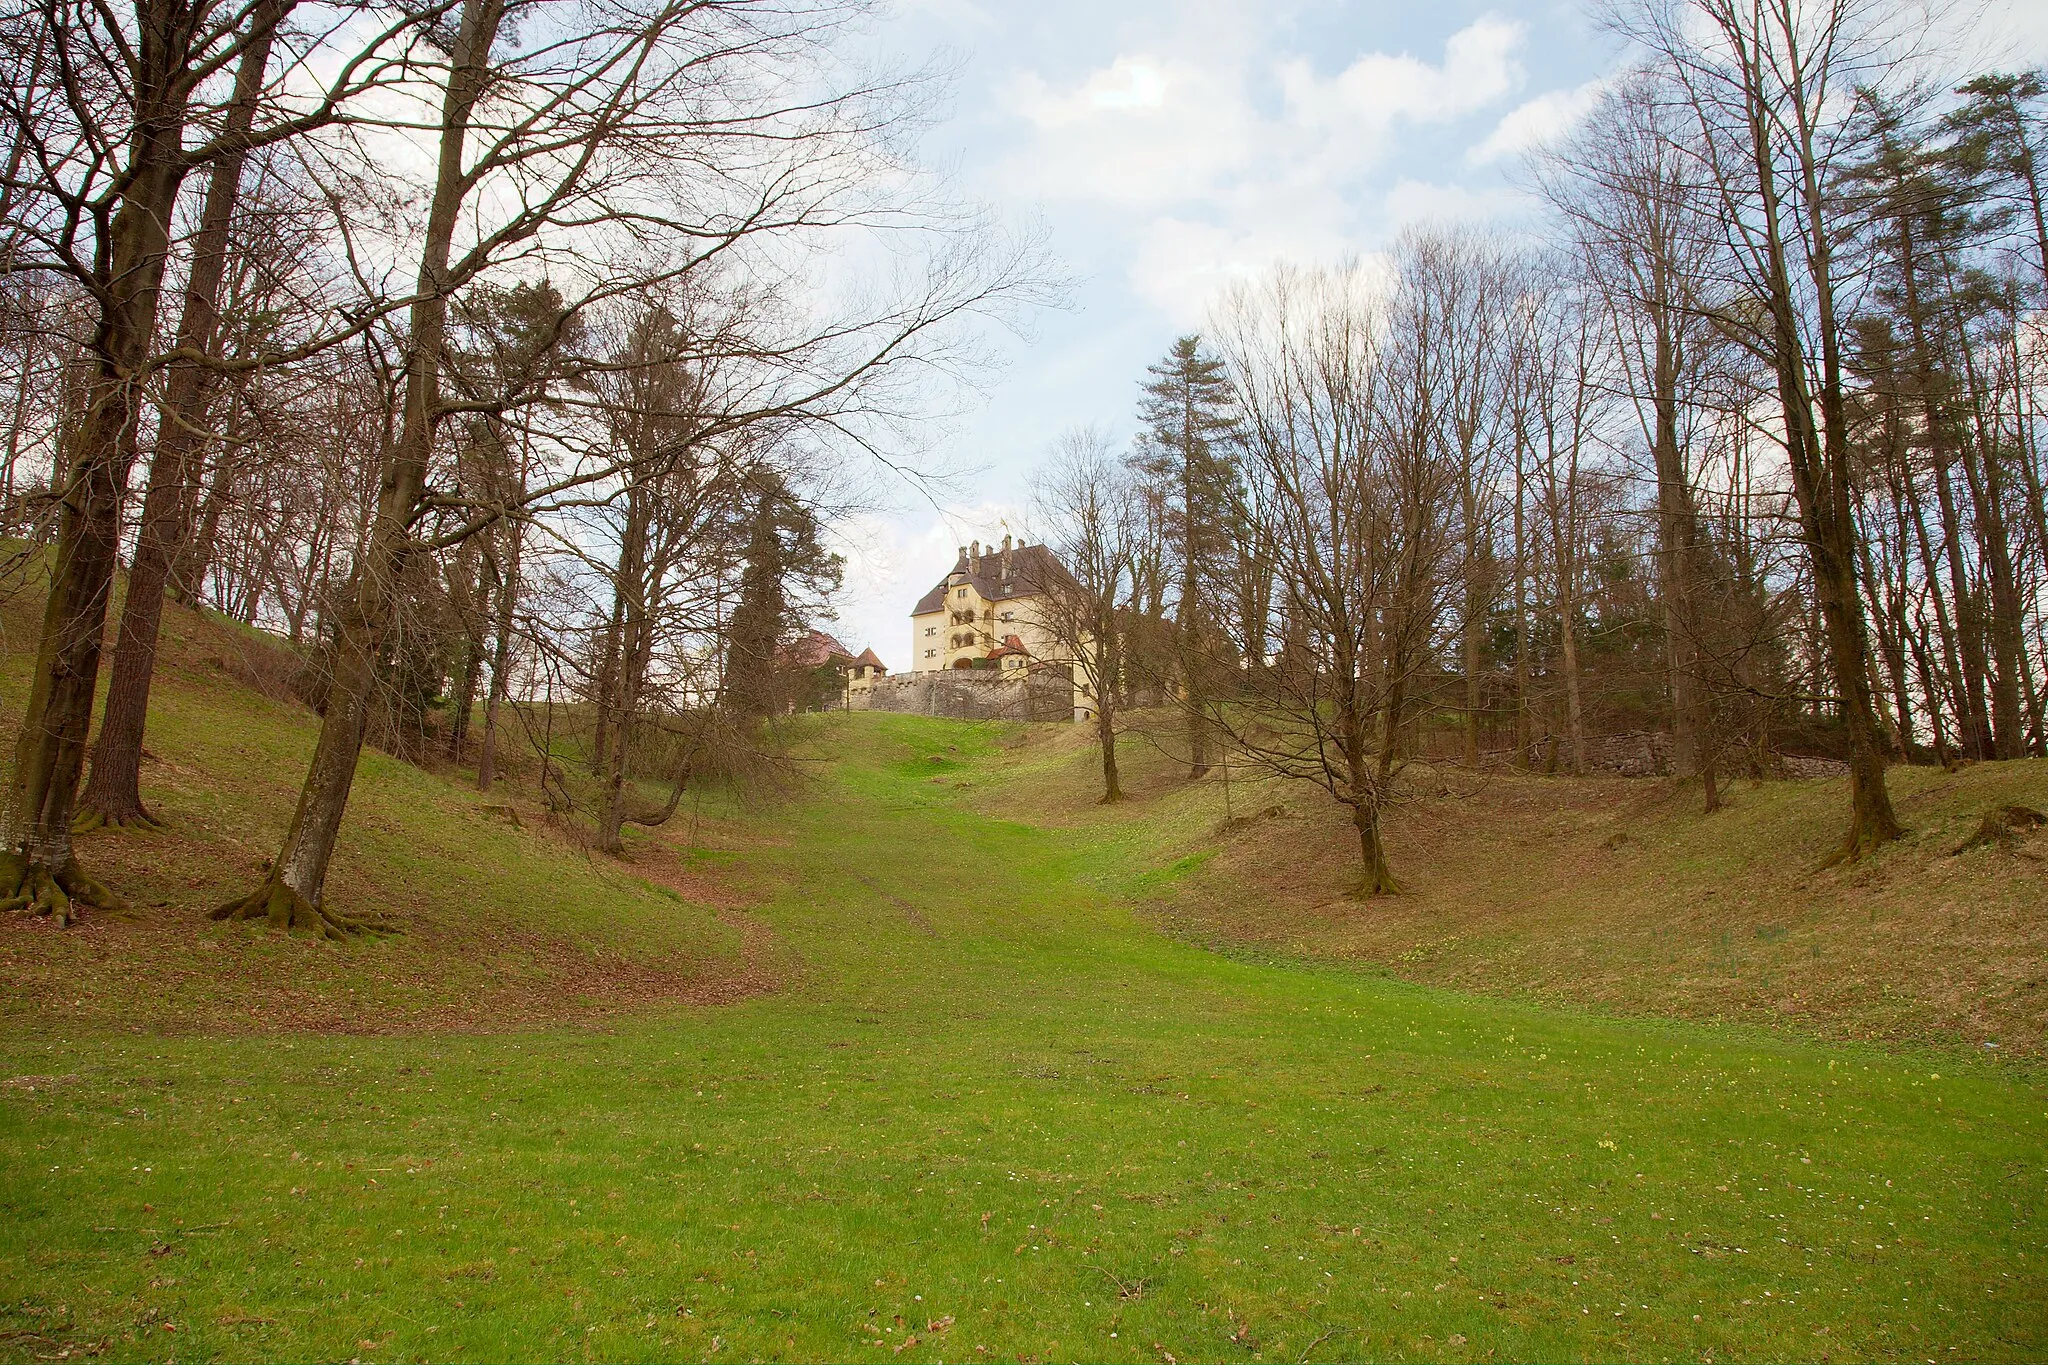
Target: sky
1167, 147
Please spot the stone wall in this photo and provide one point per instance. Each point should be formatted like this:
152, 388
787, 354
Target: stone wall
1647, 753
973, 694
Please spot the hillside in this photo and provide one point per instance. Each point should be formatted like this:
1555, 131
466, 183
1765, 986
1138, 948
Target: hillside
1609, 893
503, 926
995, 1115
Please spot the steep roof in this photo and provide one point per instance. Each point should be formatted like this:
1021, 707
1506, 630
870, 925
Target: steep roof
814, 649
1033, 569
871, 659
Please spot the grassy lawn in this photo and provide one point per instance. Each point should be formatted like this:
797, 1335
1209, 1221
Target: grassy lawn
1613, 894
994, 1113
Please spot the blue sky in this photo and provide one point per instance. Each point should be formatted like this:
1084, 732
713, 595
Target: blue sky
1168, 147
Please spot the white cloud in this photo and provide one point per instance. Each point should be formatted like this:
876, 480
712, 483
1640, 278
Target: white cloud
1214, 159
1368, 96
1536, 122
1143, 130
1157, 129
1181, 264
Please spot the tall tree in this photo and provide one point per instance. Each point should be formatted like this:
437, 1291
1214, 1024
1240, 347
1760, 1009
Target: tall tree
783, 554
1348, 480
1094, 512
290, 896
1636, 217
1764, 80
113, 793
115, 106
1186, 409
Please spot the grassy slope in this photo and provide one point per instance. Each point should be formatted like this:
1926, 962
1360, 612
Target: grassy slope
1609, 893
998, 1112
503, 925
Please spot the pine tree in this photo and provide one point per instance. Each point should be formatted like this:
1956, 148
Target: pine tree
1188, 414
783, 553
1920, 222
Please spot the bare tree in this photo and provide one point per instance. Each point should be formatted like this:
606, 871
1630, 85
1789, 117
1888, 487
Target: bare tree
676, 121
1348, 480
116, 106
113, 794
1767, 83
1635, 216
1093, 511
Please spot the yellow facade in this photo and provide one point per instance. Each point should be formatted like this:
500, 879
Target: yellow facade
991, 597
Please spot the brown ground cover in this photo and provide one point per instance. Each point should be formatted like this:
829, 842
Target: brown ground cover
504, 927
1617, 894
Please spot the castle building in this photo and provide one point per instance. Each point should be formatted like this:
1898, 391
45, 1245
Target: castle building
991, 610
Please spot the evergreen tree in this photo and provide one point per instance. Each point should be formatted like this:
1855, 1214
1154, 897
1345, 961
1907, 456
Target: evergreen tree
1919, 222
1184, 452
2000, 137
784, 562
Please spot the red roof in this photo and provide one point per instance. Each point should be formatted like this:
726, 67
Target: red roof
815, 650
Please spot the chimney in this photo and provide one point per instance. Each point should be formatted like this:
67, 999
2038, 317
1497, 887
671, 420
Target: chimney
1006, 559
963, 556
974, 556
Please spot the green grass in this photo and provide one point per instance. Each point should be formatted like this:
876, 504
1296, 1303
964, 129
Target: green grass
997, 1112
502, 925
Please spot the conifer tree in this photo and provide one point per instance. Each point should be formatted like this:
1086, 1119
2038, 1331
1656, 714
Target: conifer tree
783, 553
1184, 453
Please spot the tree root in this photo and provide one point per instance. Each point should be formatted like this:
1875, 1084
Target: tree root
280, 907
1864, 838
2002, 827
30, 887
87, 820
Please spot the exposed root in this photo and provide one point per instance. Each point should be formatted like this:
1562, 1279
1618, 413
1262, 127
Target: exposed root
2002, 827
1865, 837
87, 820
32, 888
280, 907
1374, 882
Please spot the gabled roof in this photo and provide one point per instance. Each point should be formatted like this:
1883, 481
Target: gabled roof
1033, 569
814, 650
871, 659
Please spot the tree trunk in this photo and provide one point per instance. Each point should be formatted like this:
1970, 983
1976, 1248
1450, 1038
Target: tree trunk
1680, 572
467, 591
113, 795
37, 869
192, 562
1105, 737
1469, 627
1191, 633
1944, 631
1375, 878
501, 652
291, 896
628, 664
1522, 733
1984, 472
1819, 462
606, 686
